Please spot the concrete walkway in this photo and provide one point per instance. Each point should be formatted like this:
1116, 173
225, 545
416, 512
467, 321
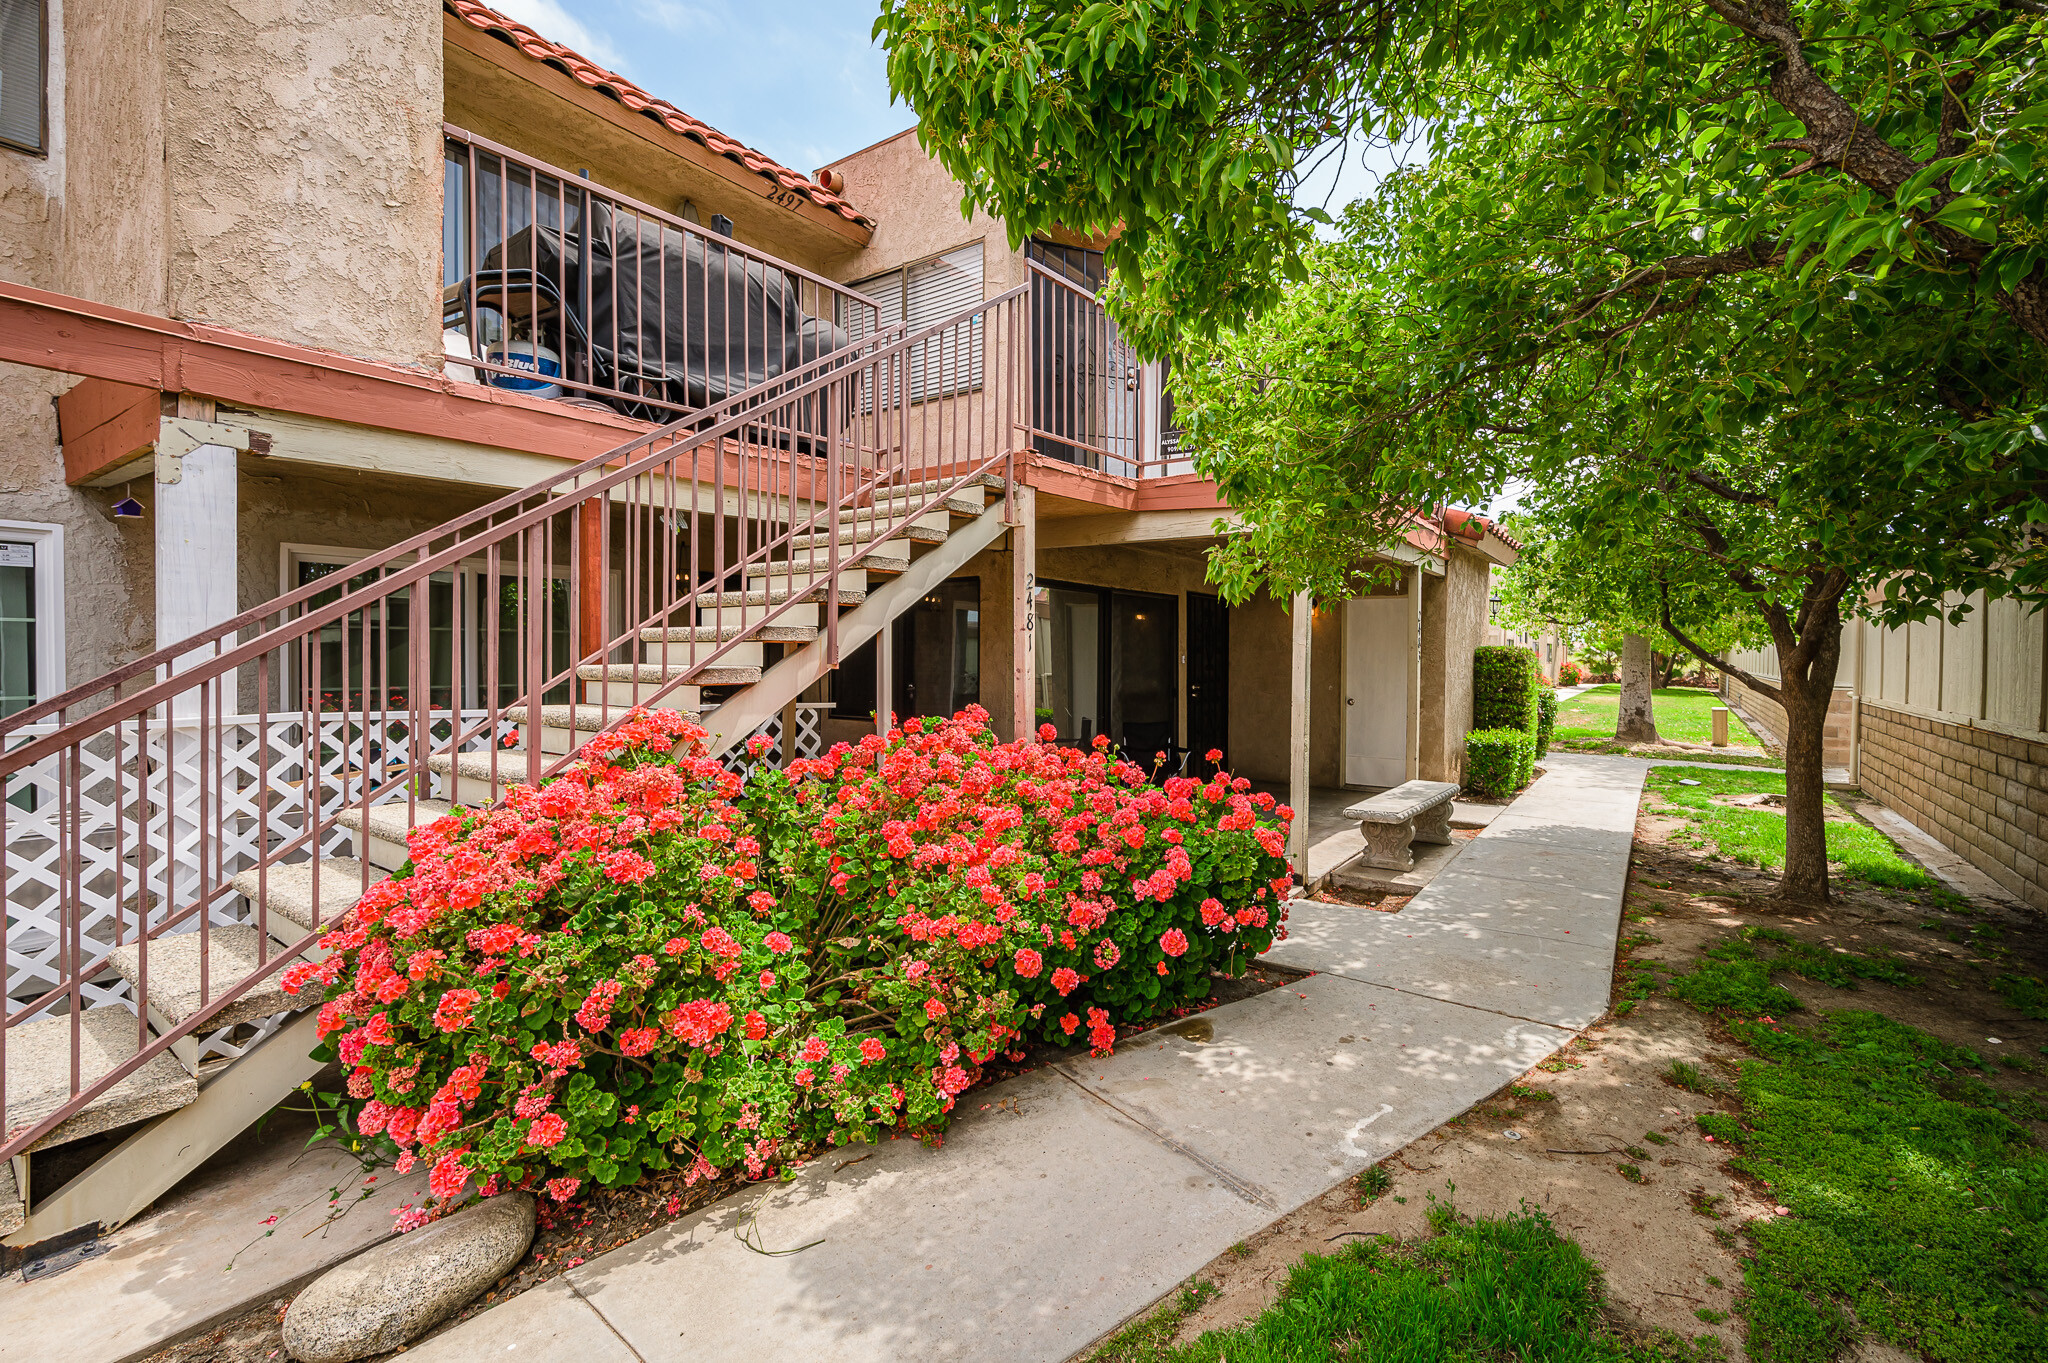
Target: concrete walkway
1069, 1199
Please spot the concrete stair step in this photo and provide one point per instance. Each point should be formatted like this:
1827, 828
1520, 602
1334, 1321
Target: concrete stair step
966, 502
173, 992
480, 778
976, 483
897, 536
39, 1076
287, 892
818, 562
565, 728
630, 684
386, 827
231, 953
777, 633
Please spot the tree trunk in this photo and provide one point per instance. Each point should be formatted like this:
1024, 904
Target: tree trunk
1806, 694
1636, 723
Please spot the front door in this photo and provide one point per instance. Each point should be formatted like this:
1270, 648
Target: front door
1208, 681
1378, 667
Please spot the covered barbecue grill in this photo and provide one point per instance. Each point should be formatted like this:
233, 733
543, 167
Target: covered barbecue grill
676, 317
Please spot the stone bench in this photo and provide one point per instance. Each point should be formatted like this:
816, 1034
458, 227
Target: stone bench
1414, 811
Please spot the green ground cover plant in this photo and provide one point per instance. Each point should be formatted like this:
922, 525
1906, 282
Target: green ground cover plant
1918, 1204
1756, 836
1684, 714
2025, 993
1506, 1288
1735, 978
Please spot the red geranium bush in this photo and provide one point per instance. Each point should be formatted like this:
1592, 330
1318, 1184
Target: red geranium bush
646, 963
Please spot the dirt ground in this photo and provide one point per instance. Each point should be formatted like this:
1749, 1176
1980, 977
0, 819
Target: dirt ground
1598, 1138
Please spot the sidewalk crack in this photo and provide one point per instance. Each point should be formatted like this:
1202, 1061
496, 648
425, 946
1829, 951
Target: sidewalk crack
1238, 1185
595, 1310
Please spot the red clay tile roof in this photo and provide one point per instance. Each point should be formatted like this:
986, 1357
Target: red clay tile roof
1470, 526
633, 97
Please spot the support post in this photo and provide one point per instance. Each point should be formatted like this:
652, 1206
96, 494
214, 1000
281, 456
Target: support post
591, 628
1302, 614
885, 676
1024, 614
1413, 763
196, 523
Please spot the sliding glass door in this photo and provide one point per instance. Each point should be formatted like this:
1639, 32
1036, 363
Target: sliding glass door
1109, 663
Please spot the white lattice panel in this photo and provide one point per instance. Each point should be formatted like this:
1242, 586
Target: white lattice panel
128, 813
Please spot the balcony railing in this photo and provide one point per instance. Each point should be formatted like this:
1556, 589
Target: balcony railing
560, 288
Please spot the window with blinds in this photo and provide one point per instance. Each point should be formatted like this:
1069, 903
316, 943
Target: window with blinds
922, 294
21, 74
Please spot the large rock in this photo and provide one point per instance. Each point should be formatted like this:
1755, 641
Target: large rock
391, 1294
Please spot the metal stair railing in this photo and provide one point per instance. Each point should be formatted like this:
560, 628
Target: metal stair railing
461, 635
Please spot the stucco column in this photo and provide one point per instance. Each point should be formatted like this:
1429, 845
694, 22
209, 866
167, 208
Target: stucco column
1300, 618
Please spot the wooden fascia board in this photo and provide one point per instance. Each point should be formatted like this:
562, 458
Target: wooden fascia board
1061, 479
1185, 492
658, 135
1132, 527
51, 331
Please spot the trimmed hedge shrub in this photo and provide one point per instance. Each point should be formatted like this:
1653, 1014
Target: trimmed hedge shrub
1498, 762
1504, 686
1546, 717
646, 963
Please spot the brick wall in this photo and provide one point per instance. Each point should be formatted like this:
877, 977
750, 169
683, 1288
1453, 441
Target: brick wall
1981, 793
1766, 714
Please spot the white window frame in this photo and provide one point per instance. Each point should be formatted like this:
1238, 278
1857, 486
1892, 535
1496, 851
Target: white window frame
49, 548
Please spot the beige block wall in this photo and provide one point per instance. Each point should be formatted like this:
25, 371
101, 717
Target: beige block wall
1981, 793
1769, 716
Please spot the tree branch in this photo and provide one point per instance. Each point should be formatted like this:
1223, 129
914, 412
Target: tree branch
1742, 675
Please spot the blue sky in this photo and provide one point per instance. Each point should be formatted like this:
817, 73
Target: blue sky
798, 79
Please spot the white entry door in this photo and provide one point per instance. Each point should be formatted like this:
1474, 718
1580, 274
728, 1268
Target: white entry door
1378, 669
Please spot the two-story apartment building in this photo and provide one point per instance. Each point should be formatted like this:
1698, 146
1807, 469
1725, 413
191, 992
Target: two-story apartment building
390, 397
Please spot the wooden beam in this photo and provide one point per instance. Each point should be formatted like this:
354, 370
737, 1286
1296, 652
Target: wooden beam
103, 425
1057, 478
46, 330
1182, 492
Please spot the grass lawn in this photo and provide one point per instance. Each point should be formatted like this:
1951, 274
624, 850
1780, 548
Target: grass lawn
1511, 1288
1756, 837
1683, 714
1918, 1202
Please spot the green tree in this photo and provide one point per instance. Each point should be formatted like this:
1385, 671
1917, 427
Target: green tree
1768, 278
1590, 592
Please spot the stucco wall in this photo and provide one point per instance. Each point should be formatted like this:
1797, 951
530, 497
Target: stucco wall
1454, 610
918, 207
86, 219
303, 155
